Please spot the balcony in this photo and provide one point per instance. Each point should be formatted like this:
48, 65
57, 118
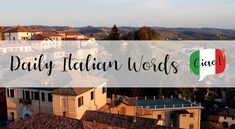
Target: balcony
25, 101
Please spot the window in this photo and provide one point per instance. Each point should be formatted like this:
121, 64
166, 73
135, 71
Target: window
43, 96
80, 101
104, 90
11, 93
92, 95
26, 95
159, 117
35, 95
8, 93
191, 126
191, 114
49, 97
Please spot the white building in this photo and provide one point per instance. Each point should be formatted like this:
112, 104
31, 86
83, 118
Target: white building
17, 47
20, 33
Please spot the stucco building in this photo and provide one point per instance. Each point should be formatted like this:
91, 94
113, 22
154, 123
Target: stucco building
173, 112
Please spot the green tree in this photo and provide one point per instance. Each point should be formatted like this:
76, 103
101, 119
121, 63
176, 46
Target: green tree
114, 34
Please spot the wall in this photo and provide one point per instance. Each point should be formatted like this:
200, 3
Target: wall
71, 104
13, 105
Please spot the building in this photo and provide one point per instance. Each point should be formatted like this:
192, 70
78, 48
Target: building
24, 102
90, 120
173, 112
52, 36
75, 36
14, 48
3, 107
226, 117
122, 121
20, 33
69, 102
73, 102
2, 29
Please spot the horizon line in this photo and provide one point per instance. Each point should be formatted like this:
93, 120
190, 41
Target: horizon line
170, 27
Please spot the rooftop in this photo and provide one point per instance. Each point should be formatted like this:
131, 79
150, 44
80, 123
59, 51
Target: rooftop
122, 121
90, 120
46, 121
71, 91
166, 103
20, 29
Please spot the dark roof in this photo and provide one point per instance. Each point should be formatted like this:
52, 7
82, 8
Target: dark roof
70, 91
90, 120
46, 121
123, 99
121, 121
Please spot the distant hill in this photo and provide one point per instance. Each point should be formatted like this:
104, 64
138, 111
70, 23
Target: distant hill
164, 33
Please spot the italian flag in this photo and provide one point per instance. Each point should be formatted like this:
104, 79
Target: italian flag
206, 62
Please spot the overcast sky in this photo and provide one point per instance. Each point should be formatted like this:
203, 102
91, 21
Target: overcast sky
163, 13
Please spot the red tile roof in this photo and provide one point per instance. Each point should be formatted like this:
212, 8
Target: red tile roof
46, 121
72, 33
45, 36
121, 121
71, 91
20, 29
90, 120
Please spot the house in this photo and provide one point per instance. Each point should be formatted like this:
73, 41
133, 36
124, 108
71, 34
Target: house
15, 47
20, 33
46, 41
2, 29
73, 102
171, 112
69, 102
90, 120
53, 36
3, 108
24, 102
227, 117
74, 36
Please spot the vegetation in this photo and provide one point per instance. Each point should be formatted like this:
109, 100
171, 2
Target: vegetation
114, 34
144, 33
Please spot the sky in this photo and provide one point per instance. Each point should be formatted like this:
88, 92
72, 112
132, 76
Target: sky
160, 13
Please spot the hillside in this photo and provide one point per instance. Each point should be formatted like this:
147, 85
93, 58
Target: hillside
164, 33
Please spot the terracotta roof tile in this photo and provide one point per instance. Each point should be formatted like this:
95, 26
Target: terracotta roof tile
46, 121
70, 91
121, 121
90, 120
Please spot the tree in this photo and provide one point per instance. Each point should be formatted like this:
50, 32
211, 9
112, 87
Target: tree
114, 34
144, 33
